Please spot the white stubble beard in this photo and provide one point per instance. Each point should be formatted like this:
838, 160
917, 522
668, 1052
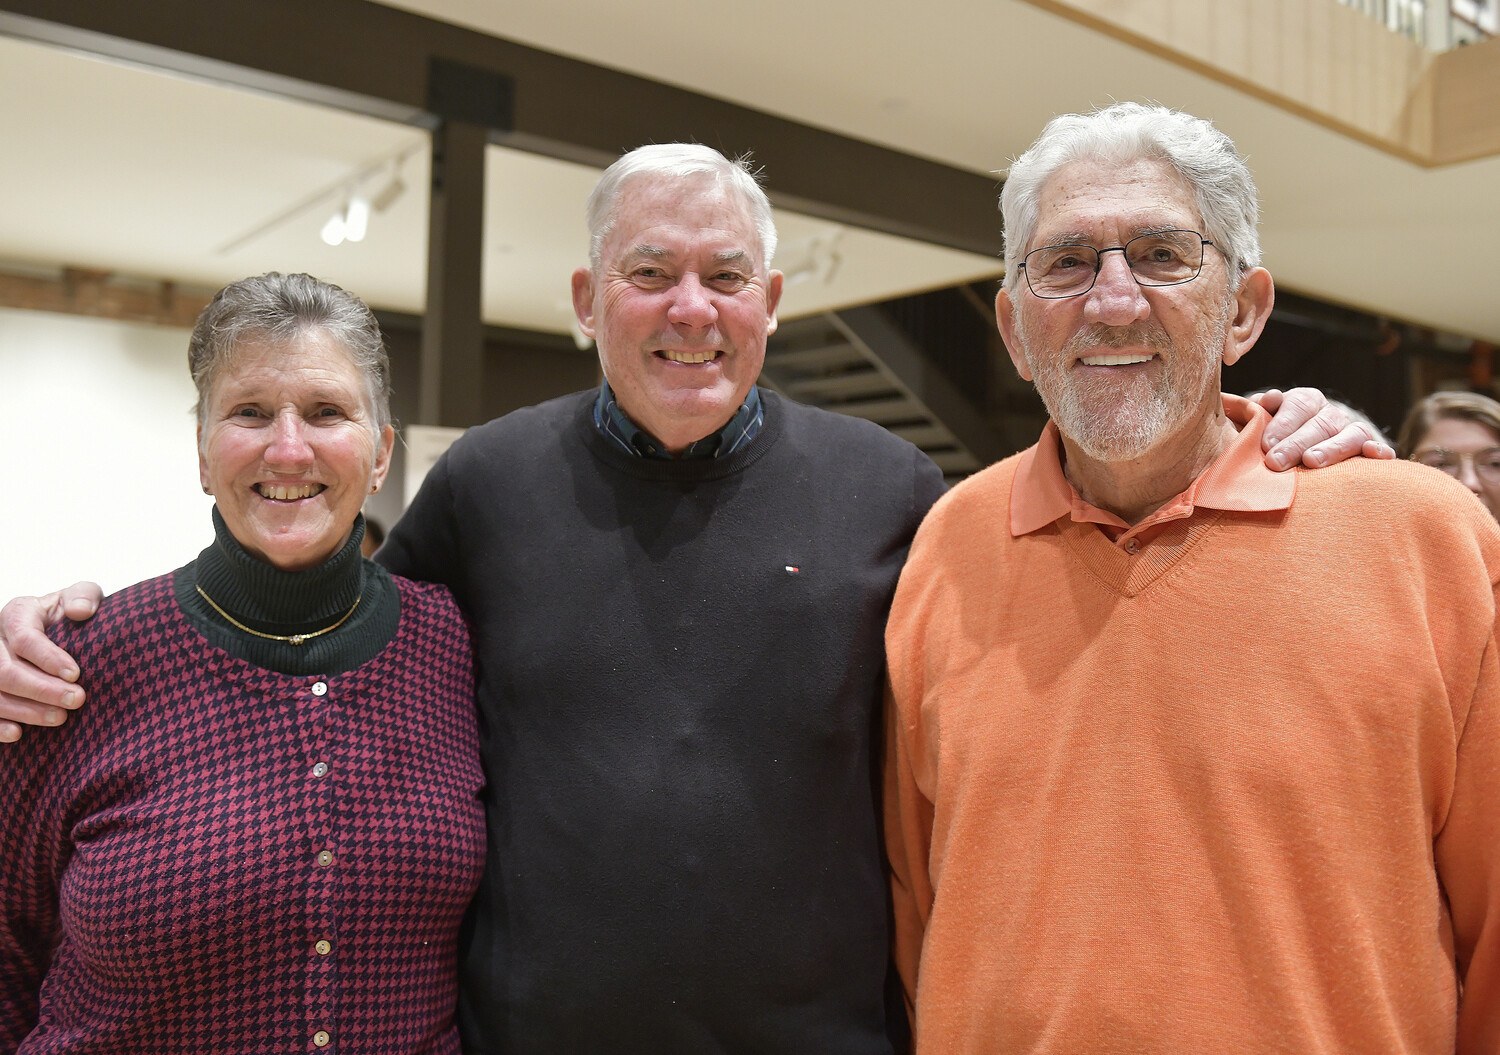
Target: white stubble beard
1121, 425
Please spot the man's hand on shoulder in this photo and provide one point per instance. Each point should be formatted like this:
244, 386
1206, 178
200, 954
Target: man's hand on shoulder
1307, 428
36, 677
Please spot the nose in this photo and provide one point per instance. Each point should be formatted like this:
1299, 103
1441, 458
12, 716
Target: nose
692, 304
1468, 477
1116, 299
287, 446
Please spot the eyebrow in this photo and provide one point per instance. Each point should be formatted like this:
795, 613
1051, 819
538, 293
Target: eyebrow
1079, 238
245, 392
723, 256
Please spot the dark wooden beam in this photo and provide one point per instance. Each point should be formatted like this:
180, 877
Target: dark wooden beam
375, 60
104, 295
451, 382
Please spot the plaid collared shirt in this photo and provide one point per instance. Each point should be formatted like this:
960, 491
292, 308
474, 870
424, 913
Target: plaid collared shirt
631, 438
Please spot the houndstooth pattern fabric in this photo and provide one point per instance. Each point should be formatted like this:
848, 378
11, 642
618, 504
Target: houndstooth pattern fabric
161, 884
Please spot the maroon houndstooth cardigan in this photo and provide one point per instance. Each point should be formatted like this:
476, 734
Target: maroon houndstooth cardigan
214, 857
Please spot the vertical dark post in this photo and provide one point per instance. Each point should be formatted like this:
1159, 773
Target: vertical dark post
469, 103
451, 381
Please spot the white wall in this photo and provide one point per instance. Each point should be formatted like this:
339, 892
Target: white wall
97, 453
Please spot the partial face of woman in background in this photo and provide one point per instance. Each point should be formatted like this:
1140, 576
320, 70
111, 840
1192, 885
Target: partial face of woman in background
1467, 450
289, 448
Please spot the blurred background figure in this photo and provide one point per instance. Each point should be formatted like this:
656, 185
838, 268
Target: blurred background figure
374, 536
1459, 433
1354, 414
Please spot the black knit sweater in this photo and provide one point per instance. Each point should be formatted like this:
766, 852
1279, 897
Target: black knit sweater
680, 669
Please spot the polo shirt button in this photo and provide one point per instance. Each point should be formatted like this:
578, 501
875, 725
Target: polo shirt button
321, 769
321, 1038
1132, 546
323, 947
319, 688
325, 858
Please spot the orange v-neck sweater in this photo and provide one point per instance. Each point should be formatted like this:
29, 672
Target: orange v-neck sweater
1238, 791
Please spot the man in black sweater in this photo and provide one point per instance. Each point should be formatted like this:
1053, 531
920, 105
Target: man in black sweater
678, 587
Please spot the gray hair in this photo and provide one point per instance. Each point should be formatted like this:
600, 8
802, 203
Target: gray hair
1125, 132
675, 161
276, 309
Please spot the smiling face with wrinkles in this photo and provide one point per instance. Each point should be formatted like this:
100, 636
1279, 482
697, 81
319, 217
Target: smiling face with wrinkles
289, 448
680, 307
1124, 367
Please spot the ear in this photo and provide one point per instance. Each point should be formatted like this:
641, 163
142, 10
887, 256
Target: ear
202, 464
774, 282
382, 458
1252, 307
583, 299
1005, 318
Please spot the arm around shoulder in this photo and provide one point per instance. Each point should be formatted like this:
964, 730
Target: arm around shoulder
37, 679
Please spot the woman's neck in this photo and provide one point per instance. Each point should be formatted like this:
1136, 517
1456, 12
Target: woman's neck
253, 610
270, 600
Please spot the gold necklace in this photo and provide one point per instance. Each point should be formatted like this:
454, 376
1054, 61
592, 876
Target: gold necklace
293, 639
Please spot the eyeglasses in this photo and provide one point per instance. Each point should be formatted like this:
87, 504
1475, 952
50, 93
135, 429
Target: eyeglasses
1486, 462
1165, 258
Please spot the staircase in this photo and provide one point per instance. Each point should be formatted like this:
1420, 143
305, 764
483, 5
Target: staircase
858, 362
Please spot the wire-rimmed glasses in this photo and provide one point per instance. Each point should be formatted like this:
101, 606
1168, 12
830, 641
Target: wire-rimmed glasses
1160, 258
1486, 462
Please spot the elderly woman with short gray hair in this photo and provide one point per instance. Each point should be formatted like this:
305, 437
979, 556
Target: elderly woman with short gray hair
264, 832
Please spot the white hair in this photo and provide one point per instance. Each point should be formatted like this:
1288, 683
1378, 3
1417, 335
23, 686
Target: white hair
669, 161
1126, 132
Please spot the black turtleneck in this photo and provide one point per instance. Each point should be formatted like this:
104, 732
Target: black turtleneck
273, 601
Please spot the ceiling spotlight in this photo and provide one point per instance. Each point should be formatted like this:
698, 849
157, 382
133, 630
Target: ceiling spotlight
352, 220
356, 219
333, 231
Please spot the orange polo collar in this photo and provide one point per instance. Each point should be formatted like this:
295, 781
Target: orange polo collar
1237, 480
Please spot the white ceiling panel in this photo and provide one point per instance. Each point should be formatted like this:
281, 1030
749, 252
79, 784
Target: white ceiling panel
158, 176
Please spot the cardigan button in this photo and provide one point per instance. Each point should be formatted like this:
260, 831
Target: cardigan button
321, 769
321, 1038
325, 858
319, 688
323, 947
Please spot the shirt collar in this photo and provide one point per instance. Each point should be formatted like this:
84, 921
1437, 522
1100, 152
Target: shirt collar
631, 438
1237, 480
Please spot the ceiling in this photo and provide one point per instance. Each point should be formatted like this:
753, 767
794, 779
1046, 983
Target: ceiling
971, 83
154, 175
158, 176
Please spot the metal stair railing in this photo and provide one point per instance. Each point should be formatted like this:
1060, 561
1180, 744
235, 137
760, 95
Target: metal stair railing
858, 362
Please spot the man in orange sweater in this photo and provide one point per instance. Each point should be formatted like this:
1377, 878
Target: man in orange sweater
1131, 808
